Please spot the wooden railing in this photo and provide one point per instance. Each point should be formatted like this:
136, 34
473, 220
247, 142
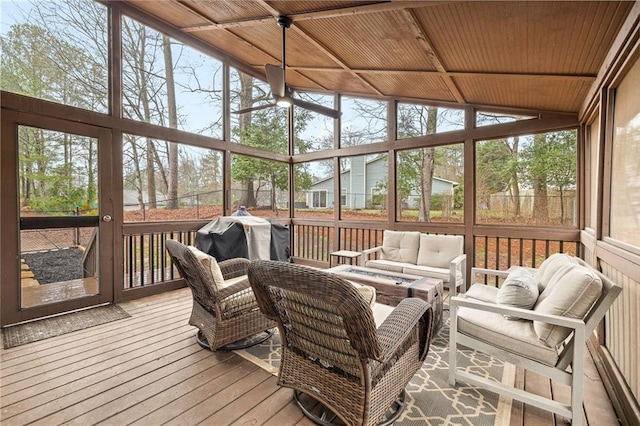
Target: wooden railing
312, 242
146, 261
501, 253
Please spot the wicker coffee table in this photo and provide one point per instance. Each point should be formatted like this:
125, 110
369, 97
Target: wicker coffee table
392, 287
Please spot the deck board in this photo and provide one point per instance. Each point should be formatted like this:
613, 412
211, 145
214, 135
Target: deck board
148, 370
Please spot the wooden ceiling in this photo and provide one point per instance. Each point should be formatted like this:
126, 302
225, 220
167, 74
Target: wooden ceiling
540, 56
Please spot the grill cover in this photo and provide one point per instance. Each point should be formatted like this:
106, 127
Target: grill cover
250, 237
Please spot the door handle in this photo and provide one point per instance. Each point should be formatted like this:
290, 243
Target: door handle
106, 218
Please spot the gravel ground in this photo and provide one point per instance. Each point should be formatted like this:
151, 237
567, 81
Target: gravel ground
55, 265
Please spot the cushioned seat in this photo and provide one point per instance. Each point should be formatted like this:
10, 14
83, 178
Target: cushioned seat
333, 351
516, 336
538, 320
426, 255
224, 306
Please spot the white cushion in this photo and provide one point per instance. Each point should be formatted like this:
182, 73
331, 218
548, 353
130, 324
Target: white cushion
518, 290
400, 246
428, 271
367, 292
512, 336
438, 251
571, 292
549, 267
482, 292
387, 265
210, 266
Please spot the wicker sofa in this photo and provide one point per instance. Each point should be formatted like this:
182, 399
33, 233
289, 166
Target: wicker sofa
428, 255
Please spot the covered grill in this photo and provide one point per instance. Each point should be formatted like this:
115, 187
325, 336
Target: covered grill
244, 236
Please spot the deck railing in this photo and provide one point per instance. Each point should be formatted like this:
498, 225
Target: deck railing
501, 253
146, 261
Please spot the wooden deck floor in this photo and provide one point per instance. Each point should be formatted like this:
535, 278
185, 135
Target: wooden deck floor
148, 370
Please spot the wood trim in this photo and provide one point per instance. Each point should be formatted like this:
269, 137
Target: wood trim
623, 400
314, 15
155, 227
115, 62
392, 177
9, 231
59, 222
629, 32
47, 109
547, 123
622, 260
605, 162
118, 215
560, 234
390, 71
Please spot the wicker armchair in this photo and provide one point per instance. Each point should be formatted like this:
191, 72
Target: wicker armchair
222, 315
331, 349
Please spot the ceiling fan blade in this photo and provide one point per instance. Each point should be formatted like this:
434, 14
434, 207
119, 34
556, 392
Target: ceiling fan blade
275, 77
255, 108
316, 108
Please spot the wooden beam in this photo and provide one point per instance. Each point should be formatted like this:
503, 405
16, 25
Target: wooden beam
314, 15
336, 59
423, 40
390, 71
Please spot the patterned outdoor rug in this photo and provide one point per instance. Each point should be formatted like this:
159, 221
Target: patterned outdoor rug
431, 400
62, 324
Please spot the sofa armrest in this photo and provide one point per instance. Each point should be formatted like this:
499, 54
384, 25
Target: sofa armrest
232, 268
485, 271
365, 254
458, 263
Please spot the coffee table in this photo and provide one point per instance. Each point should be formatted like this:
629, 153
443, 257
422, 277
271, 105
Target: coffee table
392, 287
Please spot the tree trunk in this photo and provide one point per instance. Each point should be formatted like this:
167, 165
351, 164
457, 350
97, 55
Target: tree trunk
246, 101
172, 184
426, 175
138, 172
91, 196
515, 185
151, 178
540, 199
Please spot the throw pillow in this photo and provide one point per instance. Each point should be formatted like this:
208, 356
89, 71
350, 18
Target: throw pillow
571, 293
210, 266
549, 267
518, 290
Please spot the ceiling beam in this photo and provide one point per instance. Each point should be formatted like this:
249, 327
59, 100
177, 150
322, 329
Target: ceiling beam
422, 39
391, 71
187, 5
333, 56
337, 60
318, 14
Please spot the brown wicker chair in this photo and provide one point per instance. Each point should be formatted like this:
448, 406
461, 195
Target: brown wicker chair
331, 349
222, 316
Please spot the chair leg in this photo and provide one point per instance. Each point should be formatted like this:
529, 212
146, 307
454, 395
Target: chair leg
321, 415
240, 344
577, 377
453, 324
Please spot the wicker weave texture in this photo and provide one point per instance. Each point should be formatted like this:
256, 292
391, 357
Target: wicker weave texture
223, 316
331, 349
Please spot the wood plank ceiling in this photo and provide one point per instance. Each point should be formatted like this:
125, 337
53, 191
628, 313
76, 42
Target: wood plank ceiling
540, 56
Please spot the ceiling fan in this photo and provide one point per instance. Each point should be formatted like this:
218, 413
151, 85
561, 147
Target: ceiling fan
282, 94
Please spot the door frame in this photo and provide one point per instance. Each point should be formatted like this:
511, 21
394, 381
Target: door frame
11, 311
